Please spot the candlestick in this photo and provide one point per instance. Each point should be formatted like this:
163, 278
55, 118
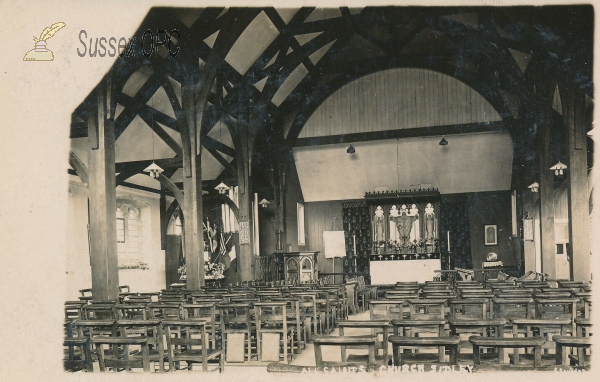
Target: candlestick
448, 241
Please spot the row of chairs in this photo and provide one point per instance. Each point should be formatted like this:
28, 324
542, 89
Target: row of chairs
256, 315
127, 344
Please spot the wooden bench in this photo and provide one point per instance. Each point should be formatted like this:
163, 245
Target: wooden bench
546, 328
440, 342
567, 341
343, 342
375, 327
482, 328
501, 343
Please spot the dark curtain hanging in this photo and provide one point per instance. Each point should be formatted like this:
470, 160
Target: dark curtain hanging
357, 222
455, 218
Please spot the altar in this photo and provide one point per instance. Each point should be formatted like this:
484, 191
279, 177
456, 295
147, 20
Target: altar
404, 236
390, 269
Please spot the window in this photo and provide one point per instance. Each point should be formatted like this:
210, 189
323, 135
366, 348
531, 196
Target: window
121, 248
178, 228
129, 237
133, 234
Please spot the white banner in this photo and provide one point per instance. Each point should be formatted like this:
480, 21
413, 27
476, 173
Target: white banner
334, 243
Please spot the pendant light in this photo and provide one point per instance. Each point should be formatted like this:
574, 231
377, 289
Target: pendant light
154, 170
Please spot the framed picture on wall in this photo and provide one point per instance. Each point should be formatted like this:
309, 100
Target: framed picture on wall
490, 232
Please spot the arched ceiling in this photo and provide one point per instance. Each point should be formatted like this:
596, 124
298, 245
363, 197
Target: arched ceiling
279, 65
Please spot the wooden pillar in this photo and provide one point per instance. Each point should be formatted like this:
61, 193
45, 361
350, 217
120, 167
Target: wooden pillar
245, 257
548, 241
574, 113
102, 198
529, 245
192, 186
164, 219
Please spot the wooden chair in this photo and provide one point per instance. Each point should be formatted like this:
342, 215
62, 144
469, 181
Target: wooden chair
469, 309
74, 309
386, 310
584, 306
375, 327
132, 311
207, 312
425, 328
137, 300
557, 308
87, 292
580, 343
441, 343
402, 294
584, 326
427, 309
236, 323
109, 356
183, 347
512, 308
327, 310
484, 328
578, 285
312, 318
99, 311
272, 332
150, 329
502, 343
164, 311
546, 328
77, 360
295, 320
344, 342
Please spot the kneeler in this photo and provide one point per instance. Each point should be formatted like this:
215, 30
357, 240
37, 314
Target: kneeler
270, 347
236, 347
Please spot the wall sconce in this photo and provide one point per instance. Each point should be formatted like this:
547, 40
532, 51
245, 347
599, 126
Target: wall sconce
534, 187
222, 188
350, 149
558, 168
154, 170
264, 203
443, 142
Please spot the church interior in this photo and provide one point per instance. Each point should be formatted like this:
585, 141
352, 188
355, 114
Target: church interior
377, 189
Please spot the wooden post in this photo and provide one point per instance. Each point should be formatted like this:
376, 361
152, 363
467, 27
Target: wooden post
245, 256
102, 199
574, 112
547, 207
192, 186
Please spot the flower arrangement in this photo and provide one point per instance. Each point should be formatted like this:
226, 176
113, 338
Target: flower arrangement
181, 271
139, 265
214, 270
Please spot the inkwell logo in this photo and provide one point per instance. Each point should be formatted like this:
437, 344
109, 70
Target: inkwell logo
40, 52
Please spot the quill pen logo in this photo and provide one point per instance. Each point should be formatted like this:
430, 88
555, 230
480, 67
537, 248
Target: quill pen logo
40, 52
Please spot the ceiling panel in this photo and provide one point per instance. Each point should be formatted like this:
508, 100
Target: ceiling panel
469, 163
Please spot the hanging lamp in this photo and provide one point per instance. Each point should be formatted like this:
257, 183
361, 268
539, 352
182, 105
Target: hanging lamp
154, 170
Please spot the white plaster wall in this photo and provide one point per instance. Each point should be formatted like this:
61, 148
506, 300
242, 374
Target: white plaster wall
78, 269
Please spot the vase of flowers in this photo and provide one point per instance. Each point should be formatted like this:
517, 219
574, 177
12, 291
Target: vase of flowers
182, 273
213, 271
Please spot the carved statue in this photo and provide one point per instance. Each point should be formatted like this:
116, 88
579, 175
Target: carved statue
404, 224
429, 223
393, 231
378, 225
